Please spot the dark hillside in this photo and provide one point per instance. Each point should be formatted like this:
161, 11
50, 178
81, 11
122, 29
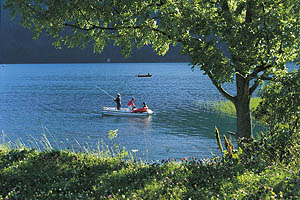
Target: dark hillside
17, 46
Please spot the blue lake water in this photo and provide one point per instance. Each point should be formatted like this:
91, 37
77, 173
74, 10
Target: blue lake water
62, 100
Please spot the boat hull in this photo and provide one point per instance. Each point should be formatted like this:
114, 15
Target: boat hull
112, 111
144, 75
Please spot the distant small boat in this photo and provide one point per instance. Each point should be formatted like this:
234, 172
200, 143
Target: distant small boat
144, 75
112, 111
4, 65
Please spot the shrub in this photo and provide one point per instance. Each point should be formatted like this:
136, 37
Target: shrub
280, 111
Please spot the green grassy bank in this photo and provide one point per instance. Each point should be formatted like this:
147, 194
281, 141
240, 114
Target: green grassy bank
227, 107
51, 174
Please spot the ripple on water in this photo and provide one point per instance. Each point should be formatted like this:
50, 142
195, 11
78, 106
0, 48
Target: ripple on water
64, 99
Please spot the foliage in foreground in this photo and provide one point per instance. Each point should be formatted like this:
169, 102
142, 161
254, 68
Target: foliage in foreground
280, 111
30, 174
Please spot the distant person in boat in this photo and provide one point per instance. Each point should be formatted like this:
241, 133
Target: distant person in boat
145, 105
143, 109
131, 103
118, 101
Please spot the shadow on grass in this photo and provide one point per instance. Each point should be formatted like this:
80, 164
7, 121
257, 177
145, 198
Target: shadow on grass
28, 174
57, 174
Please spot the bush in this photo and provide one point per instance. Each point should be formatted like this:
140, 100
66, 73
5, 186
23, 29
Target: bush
280, 111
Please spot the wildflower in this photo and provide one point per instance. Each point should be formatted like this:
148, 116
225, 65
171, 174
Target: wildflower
184, 159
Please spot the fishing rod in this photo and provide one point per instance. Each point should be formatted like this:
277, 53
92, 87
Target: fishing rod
105, 92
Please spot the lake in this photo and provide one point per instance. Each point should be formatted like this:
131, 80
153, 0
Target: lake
63, 101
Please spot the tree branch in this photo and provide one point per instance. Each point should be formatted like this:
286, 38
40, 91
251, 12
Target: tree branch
226, 12
91, 28
253, 87
256, 83
295, 124
258, 69
249, 11
128, 27
220, 88
266, 78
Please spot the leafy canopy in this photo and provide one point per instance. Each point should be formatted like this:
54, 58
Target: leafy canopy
221, 37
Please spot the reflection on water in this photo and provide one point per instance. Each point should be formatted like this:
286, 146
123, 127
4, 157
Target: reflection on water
143, 122
140, 122
64, 99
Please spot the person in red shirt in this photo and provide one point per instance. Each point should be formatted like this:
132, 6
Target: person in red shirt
131, 103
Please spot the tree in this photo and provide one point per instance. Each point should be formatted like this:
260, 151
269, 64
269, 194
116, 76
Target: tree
241, 41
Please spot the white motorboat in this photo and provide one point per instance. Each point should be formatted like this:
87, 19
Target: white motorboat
112, 111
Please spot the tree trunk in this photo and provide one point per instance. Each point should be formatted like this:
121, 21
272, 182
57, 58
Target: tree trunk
242, 105
241, 102
243, 114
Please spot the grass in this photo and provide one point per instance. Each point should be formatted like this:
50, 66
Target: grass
64, 175
227, 107
58, 174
